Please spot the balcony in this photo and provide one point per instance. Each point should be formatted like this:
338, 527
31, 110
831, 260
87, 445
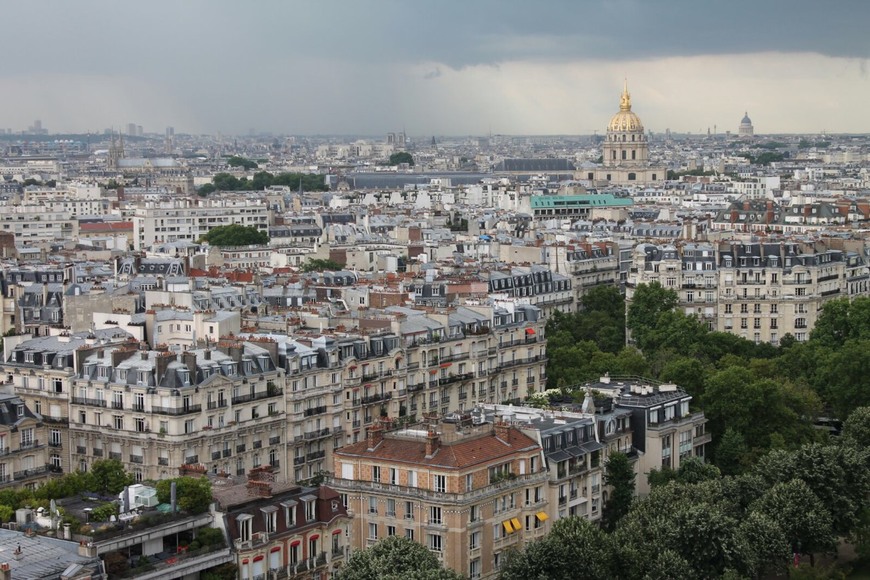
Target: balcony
96, 452
81, 449
115, 455
275, 440
455, 378
299, 460
30, 473
240, 448
377, 397
137, 407
163, 461
89, 402
175, 411
316, 434
137, 459
314, 455
275, 392
258, 444
217, 404
416, 387
310, 412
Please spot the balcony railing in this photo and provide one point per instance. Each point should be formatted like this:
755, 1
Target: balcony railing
89, 402
315, 455
257, 396
137, 459
316, 434
376, 398
188, 410
310, 412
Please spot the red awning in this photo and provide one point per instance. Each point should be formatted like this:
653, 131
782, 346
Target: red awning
245, 561
336, 532
295, 543
314, 537
530, 331
275, 549
445, 365
258, 558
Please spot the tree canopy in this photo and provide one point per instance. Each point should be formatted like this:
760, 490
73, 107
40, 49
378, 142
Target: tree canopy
321, 265
402, 157
395, 558
193, 494
263, 179
235, 235
236, 161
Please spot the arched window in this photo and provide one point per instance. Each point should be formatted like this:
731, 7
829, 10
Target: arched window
633, 152
623, 153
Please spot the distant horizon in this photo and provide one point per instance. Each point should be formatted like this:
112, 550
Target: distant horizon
381, 136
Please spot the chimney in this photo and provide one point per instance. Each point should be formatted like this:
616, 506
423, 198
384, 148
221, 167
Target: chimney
5, 571
433, 443
374, 436
172, 496
745, 206
502, 430
189, 360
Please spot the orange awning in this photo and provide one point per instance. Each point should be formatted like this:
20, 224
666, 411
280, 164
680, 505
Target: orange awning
507, 526
542, 516
516, 523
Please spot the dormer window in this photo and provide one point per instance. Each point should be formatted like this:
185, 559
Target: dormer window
20, 411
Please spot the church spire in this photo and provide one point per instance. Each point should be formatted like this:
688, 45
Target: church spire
625, 99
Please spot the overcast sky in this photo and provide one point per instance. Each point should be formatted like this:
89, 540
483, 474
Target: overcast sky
440, 67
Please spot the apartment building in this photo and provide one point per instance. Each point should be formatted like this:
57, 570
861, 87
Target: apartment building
155, 410
467, 492
665, 430
33, 224
189, 220
40, 371
576, 445
283, 530
758, 290
536, 285
27, 452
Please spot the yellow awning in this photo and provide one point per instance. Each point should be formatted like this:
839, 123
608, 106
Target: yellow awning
542, 516
516, 523
507, 526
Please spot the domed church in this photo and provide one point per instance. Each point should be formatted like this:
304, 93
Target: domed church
625, 156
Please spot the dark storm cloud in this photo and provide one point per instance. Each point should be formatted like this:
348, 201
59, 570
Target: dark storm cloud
163, 37
354, 65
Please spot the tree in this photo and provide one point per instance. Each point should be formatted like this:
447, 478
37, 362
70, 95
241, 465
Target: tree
619, 475
320, 265
395, 558
6, 513
193, 494
107, 477
235, 235
227, 571
574, 548
401, 157
236, 161
731, 453
801, 515
856, 428
647, 305
206, 189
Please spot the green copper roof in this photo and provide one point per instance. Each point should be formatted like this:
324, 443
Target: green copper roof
565, 201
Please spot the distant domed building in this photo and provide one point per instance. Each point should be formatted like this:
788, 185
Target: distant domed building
746, 129
625, 154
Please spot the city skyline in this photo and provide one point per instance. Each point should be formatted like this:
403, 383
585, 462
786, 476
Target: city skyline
444, 69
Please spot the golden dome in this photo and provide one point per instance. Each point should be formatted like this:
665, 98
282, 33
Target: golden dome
625, 120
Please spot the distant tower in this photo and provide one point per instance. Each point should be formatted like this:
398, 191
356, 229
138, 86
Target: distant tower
116, 151
745, 129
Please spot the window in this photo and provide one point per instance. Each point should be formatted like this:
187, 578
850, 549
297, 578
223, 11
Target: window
469, 482
474, 514
474, 540
190, 426
270, 519
434, 541
435, 515
685, 444
440, 483
391, 530
376, 473
140, 424
310, 511
373, 531
244, 522
409, 533
289, 513
118, 422
409, 510
394, 476
666, 451
391, 508
373, 505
